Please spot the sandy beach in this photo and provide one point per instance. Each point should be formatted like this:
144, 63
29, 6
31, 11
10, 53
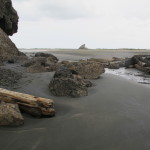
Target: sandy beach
114, 116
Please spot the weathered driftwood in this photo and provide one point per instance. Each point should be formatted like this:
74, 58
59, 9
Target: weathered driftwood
36, 106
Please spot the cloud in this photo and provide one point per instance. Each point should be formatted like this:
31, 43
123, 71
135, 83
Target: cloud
70, 23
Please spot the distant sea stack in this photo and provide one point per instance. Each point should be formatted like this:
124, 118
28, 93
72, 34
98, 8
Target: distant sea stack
8, 26
83, 47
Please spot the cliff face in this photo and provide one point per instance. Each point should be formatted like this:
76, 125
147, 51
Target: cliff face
8, 17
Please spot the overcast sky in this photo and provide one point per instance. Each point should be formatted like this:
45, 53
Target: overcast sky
70, 23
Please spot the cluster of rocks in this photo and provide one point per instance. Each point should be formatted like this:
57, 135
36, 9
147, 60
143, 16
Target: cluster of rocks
9, 77
140, 62
70, 79
41, 62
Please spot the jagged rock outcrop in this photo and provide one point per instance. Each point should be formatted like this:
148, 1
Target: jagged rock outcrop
83, 47
8, 17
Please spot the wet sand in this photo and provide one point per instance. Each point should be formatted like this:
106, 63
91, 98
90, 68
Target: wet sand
114, 116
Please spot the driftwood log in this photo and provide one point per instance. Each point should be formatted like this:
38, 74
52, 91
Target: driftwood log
36, 106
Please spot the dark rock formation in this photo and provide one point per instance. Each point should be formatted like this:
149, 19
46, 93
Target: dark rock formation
68, 82
10, 115
50, 57
8, 49
83, 47
67, 87
87, 69
140, 62
8, 17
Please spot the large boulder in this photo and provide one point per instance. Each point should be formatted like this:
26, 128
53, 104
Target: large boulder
67, 82
49, 57
8, 49
67, 87
10, 115
8, 17
87, 69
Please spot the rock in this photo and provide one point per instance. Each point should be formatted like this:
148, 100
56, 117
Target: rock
129, 62
87, 69
67, 87
68, 82
101, 60
9, 77
34, 60
144, 59
36, 68
10, 115
8, 17
64, 72
142, 68
52, 66
82, 47
113, 65
7, 48
50, 57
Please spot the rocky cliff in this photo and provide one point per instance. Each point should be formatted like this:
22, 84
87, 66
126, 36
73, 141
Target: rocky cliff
8, 17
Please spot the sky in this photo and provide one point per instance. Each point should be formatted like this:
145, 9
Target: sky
71, 23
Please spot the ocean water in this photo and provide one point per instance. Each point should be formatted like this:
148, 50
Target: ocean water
130, 74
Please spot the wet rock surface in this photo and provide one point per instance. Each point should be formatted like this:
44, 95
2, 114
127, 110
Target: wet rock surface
10, 115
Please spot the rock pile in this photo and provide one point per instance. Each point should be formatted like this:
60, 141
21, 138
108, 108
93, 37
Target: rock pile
42, 62
140, 62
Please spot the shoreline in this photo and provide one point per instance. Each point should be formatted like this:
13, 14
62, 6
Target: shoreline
114, 115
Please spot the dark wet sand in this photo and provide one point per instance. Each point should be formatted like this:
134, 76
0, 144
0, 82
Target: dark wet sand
115, 116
